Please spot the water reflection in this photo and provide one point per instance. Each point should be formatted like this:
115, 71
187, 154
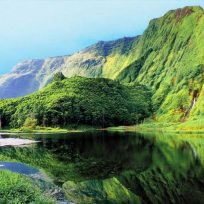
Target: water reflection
18, 168
154, 168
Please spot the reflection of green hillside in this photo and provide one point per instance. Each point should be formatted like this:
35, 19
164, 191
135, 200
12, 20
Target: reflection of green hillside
193, 142
39, 158
99, 191
157, 168
84, 157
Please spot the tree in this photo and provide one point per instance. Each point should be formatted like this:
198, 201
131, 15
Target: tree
30, 123
59, 76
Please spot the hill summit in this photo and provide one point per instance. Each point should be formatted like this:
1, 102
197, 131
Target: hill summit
79, 101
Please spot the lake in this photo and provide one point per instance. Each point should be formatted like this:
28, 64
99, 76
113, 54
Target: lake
115, 167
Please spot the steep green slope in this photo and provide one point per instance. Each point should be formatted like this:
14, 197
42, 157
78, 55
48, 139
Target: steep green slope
78, 100
170, 60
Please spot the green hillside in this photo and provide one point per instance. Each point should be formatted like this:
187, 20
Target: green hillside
78, 100
169, 59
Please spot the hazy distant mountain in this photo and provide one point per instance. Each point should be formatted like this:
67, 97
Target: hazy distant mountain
102, 59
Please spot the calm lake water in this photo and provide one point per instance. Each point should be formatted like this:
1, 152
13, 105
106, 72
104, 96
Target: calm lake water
105, 167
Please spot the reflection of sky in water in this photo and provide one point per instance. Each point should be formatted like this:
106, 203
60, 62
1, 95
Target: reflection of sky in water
18, 168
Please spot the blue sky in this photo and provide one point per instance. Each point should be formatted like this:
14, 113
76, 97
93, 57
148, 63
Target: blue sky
31, 29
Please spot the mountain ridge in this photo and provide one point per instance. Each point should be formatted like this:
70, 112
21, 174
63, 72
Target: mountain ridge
31, 75
168, 58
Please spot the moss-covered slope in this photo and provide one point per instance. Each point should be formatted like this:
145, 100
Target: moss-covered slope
170, 59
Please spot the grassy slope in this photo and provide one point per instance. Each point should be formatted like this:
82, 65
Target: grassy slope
186, 127
190, 126
41, 129
169, 58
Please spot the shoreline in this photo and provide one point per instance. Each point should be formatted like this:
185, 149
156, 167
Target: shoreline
45, 130
152, 127
141, 128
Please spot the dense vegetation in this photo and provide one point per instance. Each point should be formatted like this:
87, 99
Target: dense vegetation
78, 100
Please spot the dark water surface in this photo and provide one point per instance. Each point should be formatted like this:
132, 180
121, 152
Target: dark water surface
104, 167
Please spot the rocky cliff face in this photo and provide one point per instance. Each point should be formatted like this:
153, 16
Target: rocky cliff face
104, 59
28, 76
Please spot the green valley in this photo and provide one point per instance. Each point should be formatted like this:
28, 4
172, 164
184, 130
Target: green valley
167, 59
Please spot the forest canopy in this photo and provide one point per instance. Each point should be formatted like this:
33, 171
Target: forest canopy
78, 100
